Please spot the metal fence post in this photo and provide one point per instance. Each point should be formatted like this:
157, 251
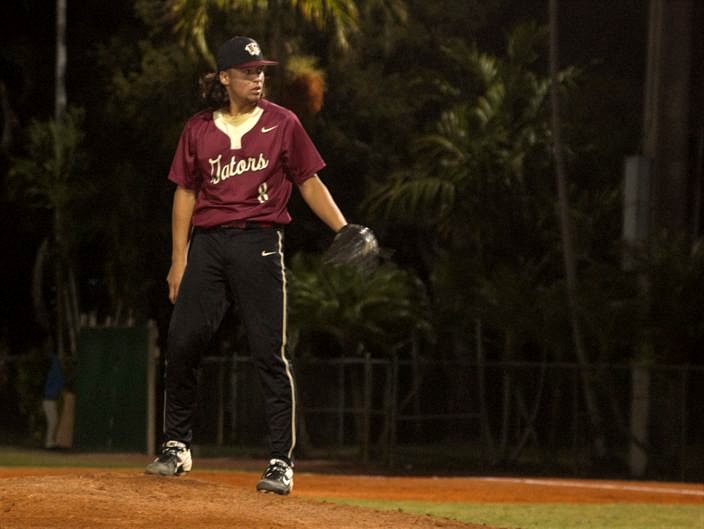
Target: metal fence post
366, 417
341, 404
392, 412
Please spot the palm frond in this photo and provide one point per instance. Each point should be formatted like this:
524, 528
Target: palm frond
420, 200
378, 312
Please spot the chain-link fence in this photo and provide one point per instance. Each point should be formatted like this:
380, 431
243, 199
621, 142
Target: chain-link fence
508, 413
603, 419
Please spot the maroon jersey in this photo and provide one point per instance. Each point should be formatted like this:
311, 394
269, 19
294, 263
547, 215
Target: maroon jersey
244, 171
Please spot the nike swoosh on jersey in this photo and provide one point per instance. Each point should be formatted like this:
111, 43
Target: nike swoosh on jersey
268, 129
265, 253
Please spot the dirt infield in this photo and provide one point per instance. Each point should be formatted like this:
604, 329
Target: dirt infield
213, 498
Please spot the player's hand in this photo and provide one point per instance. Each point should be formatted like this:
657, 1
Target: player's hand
174, 278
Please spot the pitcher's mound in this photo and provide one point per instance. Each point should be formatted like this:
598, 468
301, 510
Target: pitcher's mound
122, 499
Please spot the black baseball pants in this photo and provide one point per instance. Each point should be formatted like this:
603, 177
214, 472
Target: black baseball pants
227, 265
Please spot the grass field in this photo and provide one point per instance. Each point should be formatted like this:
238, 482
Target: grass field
557, 516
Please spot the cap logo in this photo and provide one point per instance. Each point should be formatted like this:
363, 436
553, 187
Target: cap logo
253, 49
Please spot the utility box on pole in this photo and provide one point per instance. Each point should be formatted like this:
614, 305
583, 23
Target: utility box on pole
636, 204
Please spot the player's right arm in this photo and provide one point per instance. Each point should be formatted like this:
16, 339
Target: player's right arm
181, 215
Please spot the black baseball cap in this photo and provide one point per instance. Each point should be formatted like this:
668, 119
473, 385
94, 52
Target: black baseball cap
240, 52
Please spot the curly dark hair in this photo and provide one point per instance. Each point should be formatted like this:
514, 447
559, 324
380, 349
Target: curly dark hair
213, 92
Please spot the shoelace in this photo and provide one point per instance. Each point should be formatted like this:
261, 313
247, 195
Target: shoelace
169, 452
275, 471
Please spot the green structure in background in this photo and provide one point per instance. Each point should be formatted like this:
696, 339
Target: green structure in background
115, 389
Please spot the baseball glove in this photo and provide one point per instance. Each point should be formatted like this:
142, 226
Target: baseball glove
356, 246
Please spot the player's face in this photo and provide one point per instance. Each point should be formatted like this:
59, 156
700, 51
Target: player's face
244, 85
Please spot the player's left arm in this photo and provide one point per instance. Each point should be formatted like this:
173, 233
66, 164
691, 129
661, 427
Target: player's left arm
316, 194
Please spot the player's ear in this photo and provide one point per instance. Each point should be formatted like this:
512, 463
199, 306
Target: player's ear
224, 77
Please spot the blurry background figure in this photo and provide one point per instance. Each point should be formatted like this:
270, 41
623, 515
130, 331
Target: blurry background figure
52, 391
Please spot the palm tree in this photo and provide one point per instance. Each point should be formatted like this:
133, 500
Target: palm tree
55, 182
359, 312
339, 19
476, 184
479, 146
190, 19
478, 187
378, 315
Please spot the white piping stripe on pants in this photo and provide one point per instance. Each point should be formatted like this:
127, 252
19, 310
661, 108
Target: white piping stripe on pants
284, 342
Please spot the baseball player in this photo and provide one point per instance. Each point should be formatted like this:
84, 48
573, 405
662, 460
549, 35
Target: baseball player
234, 168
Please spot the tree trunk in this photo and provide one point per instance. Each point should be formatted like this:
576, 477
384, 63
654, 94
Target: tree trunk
487, 438
666, 110
59, 111
10, 120
640, 420
566, 234
60, 81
